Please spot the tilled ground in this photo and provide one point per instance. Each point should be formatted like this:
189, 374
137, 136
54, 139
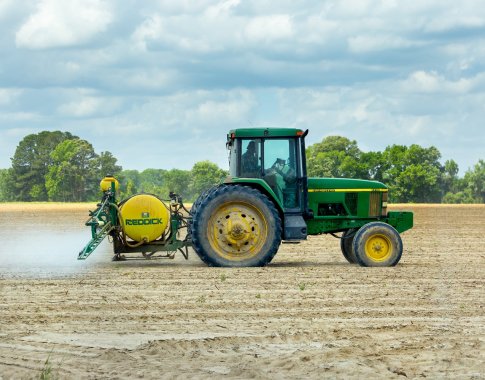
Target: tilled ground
308, 314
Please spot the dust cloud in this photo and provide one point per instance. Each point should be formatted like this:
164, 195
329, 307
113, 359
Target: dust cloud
42, 241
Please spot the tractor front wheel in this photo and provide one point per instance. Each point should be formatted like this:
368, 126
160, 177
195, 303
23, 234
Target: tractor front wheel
346, 242
377, 244
236, 226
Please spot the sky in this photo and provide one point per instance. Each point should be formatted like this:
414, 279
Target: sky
159, 83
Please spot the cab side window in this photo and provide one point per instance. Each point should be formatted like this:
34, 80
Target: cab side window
251, 158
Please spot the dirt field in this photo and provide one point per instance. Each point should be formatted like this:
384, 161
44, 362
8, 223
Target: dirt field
307, 315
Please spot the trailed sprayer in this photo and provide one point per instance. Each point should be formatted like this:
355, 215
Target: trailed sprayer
266, 199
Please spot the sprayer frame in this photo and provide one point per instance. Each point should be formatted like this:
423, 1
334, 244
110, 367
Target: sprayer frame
106, 220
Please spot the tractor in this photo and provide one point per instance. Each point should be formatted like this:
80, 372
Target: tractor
266, 199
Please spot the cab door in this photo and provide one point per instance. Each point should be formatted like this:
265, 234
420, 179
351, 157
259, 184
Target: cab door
281, 170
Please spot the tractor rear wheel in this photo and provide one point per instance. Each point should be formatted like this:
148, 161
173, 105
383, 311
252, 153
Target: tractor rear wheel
200, 198
236, 226
377, 244
195, 206
346, 242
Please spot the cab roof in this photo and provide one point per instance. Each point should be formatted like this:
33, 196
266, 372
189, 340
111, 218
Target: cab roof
264, 132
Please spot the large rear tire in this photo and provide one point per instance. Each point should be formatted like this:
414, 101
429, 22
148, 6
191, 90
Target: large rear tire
377, 244
195, 206
236, 226
200, 198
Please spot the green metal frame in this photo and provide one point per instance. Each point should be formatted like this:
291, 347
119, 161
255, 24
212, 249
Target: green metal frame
105, 220
102, 222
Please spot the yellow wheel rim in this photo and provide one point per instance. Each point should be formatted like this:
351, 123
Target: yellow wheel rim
378, 248
237, 231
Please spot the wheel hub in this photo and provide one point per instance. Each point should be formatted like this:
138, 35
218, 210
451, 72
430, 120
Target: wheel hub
378, 248
238, 230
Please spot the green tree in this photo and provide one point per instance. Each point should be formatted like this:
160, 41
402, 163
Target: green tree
335, 156
413, 174
204, 175
152, 181
106, 163
3, 180
462, 196
129, 183
475, 180
177, 181
417, 183
450, 181
31, 163
73, 175
6, 185
373, 165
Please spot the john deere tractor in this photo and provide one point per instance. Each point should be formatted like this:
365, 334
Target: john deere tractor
266, 199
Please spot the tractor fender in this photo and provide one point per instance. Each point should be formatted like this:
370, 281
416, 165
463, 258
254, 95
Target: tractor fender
261, 186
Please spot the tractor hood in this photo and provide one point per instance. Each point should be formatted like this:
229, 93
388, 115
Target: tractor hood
330, 184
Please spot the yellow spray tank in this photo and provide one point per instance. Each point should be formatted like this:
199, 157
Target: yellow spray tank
145, 217
142, 223
106, 182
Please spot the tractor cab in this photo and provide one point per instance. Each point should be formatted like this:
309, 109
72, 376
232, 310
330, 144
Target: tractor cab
275, 156
273, 162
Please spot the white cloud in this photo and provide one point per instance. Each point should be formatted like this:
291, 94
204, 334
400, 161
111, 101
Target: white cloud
151, 79
464, 18
269, 28
201, 109
60, 23
181, 7
234, 110
150, 29
5, 7
18, 132
81, 108
353, 8
19, 116
8, 95
373, 43
222, 9
196, 35
421, 81
84, 102
317, 29
432, 82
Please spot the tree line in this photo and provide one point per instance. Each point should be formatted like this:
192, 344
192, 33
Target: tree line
413, 173
58, 166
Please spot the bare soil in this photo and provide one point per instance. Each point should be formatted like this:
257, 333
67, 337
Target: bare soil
309, 314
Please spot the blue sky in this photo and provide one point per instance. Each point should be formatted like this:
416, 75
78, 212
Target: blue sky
159, 83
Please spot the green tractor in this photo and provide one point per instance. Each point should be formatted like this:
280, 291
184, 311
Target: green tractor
266, 199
